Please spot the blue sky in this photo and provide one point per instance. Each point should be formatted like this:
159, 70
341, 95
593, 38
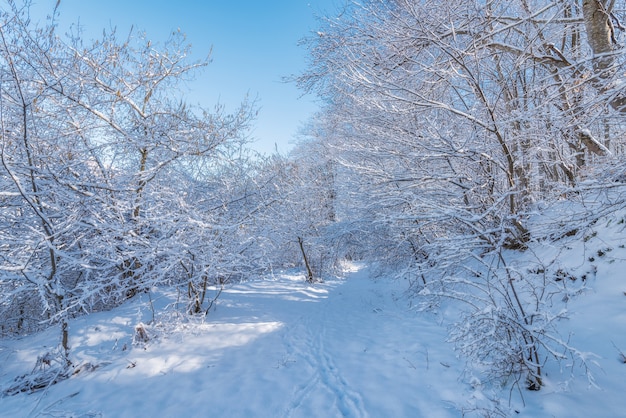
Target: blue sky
254, 46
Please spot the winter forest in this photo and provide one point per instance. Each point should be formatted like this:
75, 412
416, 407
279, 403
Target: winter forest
462, 148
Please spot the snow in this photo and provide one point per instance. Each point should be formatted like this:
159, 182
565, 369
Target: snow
352, 346
275, 348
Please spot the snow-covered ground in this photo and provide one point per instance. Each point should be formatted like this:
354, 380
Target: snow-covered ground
273, 348
349, 347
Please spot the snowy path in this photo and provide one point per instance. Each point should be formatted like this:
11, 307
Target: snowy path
348, 349
307, 339
343, 348
276, 348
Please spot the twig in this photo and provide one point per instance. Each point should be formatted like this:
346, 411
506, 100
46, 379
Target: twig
622, 356
410, 364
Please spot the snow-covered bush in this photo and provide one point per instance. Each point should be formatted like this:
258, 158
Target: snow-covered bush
50, 368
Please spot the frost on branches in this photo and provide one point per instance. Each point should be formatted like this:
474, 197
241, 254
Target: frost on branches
457, 125
109, 182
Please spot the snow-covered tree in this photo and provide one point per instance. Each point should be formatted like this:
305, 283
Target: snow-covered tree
457, 118
101, 163
297, 207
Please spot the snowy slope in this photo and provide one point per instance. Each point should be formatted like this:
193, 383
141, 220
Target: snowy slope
596, 326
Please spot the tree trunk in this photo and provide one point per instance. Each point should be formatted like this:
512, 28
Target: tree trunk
309, 277
599, 30
601, 39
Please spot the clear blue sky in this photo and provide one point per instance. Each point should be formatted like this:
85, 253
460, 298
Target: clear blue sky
254, 46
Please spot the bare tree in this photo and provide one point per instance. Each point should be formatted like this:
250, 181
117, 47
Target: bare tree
100, 158
457, 118
298, 208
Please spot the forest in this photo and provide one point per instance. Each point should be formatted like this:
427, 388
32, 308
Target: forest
453, 137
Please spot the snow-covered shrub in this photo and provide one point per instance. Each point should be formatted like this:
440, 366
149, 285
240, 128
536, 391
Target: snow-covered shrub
50, 368
509, 319
511, 303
